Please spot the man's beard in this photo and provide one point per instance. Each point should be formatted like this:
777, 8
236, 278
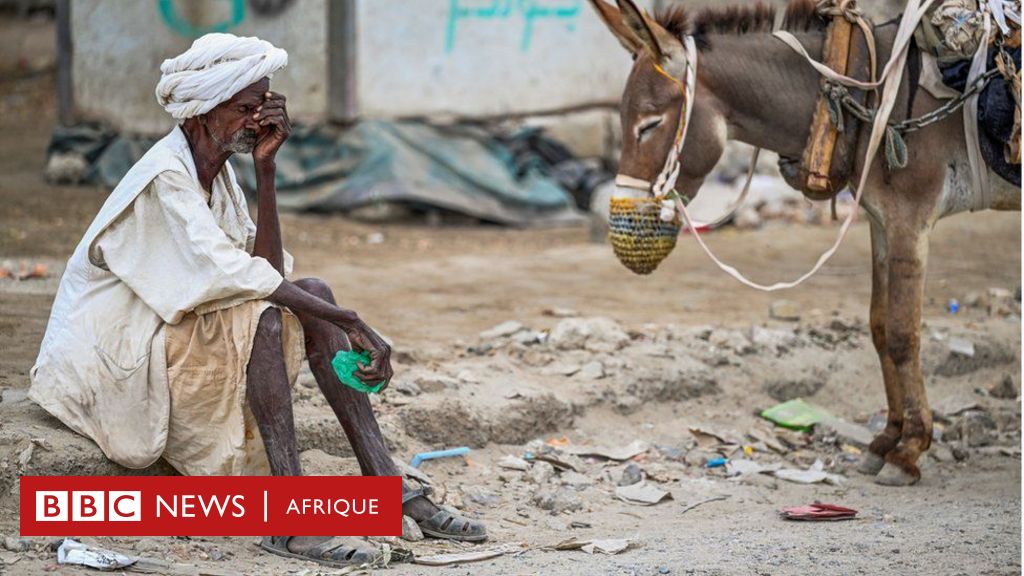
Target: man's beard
241, 142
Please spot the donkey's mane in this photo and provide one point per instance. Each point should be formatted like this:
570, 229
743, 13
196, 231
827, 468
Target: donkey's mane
800, 16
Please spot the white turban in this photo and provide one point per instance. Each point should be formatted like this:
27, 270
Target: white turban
214, 69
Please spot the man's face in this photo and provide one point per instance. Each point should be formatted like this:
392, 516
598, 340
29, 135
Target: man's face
231, 123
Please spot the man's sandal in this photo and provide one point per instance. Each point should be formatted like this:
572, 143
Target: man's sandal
446, 524
335, 552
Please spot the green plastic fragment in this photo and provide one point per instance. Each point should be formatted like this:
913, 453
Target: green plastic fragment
345, 364
796, 415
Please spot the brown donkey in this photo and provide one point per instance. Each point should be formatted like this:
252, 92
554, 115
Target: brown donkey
753, 88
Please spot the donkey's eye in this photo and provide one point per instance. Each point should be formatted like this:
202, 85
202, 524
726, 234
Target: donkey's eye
648, 124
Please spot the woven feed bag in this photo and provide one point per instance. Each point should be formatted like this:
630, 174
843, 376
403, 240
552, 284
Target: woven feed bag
638, 235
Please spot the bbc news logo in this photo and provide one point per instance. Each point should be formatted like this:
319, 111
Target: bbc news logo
89, 506
211, 505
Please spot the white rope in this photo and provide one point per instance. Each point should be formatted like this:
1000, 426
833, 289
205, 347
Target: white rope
892, 74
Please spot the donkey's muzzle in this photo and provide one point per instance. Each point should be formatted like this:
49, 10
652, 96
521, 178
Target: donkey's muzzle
638, 235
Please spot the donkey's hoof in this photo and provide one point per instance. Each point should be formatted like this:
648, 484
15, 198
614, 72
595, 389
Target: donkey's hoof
893, 475
870, 464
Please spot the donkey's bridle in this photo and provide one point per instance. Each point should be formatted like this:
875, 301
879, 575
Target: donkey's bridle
663, 188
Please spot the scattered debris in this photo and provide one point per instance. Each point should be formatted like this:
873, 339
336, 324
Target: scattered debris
594, 334
813, 475
844, 431
962, 347
785, 310
621, 453
796, 415
512, 463
15, 544
745, 467
411, 530
1002, 303
1005, 389
458, 558
716, 462
541, 473
74, 552
818, 511
557, 500
449, 453
689, 507
559, 312
641, 493
24, 270
502, 330
707, 440
590, 546
631, 474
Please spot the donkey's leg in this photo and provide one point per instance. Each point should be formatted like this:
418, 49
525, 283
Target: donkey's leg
908, 255
874, 458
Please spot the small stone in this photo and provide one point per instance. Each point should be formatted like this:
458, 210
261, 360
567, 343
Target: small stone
591, 371
560, 312
411, 530
960, 453
541, 473
513, 463
15, 544
595, 334
974, 300
962, 347
977, 428
1001, 302
785, 310
1005, 389
407, 388
557, 500
631, 474
501, 330
435, 383
575, 480
467, 376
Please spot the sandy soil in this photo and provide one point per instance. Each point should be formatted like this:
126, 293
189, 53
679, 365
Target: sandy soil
699, 350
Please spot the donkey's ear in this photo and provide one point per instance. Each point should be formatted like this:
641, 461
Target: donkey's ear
662, 45
612, 18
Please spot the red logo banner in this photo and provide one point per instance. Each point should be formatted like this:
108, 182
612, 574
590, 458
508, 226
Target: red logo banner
211, 505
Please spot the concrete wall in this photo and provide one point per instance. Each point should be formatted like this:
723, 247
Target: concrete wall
119, 46
422, 57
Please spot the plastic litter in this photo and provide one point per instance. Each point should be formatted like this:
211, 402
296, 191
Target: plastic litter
953, 306
346, 363
74, 552
716, 462
818, 511
796, 415
449, 453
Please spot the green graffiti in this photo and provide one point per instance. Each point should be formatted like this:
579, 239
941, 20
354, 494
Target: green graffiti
182, 27
530, 10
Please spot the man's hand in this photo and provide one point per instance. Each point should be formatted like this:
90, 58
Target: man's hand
274, 127
362, 337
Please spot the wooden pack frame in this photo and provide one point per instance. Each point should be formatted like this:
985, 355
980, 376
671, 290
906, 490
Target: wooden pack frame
828, 157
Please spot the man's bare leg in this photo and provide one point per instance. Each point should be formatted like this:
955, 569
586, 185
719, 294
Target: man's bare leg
269, 396
355, 413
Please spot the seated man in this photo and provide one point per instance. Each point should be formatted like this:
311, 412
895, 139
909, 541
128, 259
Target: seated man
174, 333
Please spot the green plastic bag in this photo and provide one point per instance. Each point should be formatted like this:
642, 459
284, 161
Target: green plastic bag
345, 364
796, 415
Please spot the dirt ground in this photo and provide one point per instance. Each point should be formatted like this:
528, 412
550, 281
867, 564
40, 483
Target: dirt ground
684, 347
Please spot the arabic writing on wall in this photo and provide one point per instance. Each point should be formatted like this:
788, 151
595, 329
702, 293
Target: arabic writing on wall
530, 11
